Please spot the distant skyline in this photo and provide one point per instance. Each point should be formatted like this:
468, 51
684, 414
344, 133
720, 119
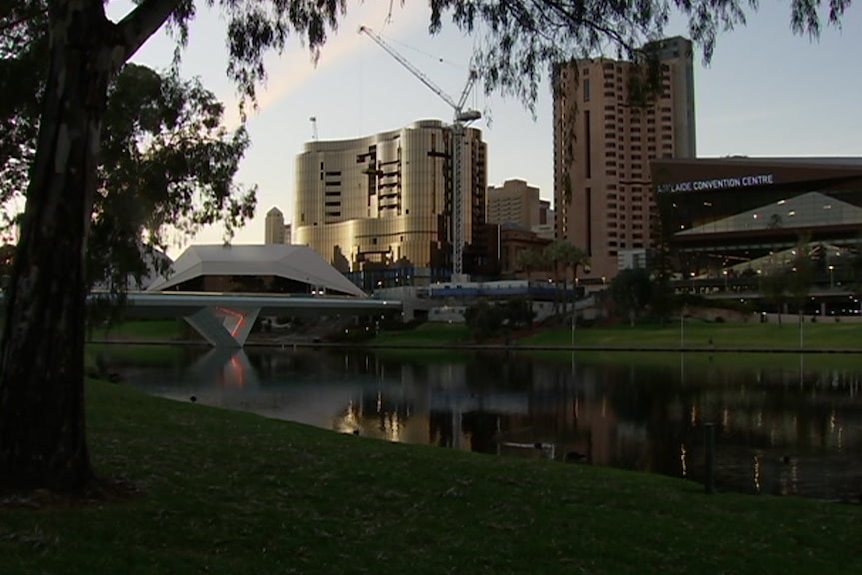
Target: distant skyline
765, 93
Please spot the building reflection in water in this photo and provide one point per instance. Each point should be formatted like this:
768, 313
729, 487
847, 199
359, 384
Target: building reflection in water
782, 431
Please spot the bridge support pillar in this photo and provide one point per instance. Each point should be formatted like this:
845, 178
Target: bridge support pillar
224, 327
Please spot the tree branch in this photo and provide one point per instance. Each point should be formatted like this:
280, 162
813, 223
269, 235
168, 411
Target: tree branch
143, 22
581, 19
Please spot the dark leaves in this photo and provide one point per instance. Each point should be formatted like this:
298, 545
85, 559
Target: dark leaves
168, 164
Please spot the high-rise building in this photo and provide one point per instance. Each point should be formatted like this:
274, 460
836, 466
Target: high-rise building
515, 202
379, 208
545, 228
603, 144
274, 232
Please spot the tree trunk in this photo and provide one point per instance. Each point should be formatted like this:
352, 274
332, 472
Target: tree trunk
42, 426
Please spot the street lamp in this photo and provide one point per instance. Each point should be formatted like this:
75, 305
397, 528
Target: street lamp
574, 307
682, 327
831, 277
725, 279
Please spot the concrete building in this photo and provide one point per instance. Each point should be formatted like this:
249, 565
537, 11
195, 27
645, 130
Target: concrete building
379, 208
603, 144
515, 202
547, 221
276, 231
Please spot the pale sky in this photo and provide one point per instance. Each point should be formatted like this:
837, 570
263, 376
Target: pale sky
765, 93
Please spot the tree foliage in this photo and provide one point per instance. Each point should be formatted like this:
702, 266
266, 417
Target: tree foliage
773, 286
518, 40
168, 163
487, 319
564, 256
631, 290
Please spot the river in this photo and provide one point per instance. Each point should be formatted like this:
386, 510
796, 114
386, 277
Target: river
785, 424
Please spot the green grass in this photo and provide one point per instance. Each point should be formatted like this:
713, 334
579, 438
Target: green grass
161, 329
821, 335
155, 355
236, 493
425, 334
697, 334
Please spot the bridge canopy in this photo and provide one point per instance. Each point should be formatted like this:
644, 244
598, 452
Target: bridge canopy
271, 268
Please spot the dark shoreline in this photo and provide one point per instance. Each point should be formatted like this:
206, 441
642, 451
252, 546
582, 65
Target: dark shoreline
488, 347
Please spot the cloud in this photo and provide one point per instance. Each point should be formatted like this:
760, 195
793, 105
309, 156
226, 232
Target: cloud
288, 72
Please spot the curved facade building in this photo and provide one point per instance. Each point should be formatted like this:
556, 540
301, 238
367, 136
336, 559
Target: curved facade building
381, 206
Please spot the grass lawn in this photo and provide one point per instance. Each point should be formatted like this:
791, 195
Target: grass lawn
695, 334
228, 492
823, 335
153, 329
425, 334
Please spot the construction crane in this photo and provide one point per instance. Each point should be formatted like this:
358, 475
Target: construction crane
313, 120
461, 118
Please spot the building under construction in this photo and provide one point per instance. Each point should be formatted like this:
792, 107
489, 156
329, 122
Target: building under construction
379, 208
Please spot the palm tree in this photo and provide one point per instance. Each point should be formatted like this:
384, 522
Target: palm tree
528, 260
573, 257
553, 254
565, 255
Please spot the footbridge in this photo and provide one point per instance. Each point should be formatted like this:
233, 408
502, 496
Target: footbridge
226, 319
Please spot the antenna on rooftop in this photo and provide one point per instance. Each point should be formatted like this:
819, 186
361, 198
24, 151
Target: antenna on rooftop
313, 128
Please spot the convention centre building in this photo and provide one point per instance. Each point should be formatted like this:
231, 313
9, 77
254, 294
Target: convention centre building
726, 218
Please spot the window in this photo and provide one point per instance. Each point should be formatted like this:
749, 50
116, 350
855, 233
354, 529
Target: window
586, 89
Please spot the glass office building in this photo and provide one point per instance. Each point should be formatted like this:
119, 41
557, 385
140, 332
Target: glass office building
379, 208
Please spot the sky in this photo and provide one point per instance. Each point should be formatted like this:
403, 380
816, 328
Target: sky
766, 92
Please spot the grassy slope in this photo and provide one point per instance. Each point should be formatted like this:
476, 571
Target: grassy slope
823, 335
235, 493
160, 329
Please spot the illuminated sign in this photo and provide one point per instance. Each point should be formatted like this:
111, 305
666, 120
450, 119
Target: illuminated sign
717, 184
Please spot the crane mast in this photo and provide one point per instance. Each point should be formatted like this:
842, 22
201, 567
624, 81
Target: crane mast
460, 120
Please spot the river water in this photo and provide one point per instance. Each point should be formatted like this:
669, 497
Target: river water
785, 425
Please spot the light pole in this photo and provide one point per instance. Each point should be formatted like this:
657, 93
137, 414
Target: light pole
574, 304
725, 279
831, 277
682, 327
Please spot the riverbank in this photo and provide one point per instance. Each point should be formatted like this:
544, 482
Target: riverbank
227, 492
690, 336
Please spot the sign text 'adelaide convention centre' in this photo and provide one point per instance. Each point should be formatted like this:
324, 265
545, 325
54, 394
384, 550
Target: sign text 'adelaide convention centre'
717, 184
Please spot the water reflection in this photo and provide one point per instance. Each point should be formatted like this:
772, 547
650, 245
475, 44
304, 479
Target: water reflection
784, 430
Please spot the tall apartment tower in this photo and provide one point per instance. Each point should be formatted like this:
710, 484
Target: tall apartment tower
274, 227
515, 202
382, 205
603, 146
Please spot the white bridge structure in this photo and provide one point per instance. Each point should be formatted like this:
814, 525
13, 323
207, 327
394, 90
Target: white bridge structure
221, 290
226, 319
